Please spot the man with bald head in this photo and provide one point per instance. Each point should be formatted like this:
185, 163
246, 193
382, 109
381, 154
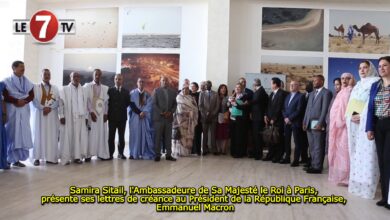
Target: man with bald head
293, 112
45, 123
73, 118
209, 107
164, 105
97, 106
140, 118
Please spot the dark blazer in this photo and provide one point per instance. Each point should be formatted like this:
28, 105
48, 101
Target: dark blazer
196, 97
209, 105
370, 124
259, 104
295, 111
317, 107
275, 106
117, 104
158, 103
249, 93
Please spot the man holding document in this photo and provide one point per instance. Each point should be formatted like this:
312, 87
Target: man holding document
314, 123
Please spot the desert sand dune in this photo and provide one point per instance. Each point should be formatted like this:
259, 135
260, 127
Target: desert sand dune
311, 20
304, 35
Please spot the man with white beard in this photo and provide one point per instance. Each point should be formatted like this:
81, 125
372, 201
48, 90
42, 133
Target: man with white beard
45, 124
97, 106
73, 118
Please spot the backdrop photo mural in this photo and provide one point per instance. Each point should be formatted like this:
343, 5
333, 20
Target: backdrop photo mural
95, 28
150, 67
301, 69
151, 27
359, 32
295, 29
338, 66
86, 63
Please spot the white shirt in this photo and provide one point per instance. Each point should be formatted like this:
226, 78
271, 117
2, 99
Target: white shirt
317, 91
276, 91
292, 96
140, 91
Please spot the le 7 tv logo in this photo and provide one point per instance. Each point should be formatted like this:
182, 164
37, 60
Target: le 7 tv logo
44, 26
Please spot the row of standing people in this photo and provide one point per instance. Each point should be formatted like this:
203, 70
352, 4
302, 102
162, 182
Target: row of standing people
358, 147
352, 155
75, 123
83, 113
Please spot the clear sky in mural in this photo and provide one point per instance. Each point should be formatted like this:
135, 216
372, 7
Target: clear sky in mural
153, 20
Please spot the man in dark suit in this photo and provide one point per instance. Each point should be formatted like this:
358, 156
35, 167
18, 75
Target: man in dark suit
258, 108
118, 101
164, 105
293, 112
249, 94
274, 117
197, 142
314, 123
209, 107
305, 159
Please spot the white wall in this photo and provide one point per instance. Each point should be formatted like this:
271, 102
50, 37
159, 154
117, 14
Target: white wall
11, 46
193, 51
31, 48
245, 32
218, 42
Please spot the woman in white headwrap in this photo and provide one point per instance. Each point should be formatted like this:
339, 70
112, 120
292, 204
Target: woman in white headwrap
364, 171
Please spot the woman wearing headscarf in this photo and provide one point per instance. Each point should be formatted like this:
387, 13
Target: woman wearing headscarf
378, 126
185, 120
364, 171
338, 155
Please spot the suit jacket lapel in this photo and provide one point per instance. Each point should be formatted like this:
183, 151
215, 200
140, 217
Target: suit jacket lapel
311, 100
295, 97
318, 96
275, 96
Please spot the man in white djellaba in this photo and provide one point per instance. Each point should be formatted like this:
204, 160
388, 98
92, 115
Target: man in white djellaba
74, 119
45, 124
97, 106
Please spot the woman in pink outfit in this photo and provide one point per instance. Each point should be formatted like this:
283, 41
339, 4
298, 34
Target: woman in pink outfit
338, 154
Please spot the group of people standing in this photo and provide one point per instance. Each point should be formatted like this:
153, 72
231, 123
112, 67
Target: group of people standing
359, 137
351, 126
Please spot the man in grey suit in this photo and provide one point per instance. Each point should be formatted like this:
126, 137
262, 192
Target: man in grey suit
208, 107
164, 105
314, 123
